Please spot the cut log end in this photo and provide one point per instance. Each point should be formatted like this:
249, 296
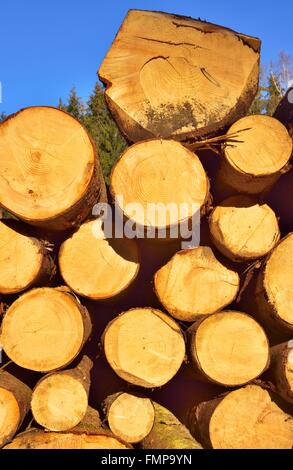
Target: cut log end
147, 174
246, 418
59, 402
243, 229
52, 440
9, 415
229, 348
254, 163
282, 369
194, 283
131, 417
105, 266
15, 398
24, 261
144, 347
44, 329
172, 76
50, 166
274, 287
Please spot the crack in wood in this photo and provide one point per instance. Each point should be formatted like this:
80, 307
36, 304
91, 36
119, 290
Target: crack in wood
209, 77
170, 43
180, 25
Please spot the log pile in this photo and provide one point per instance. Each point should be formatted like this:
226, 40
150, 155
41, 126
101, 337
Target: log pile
117, 341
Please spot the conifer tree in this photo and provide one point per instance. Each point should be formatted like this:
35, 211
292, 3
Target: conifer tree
103, 129
75, 106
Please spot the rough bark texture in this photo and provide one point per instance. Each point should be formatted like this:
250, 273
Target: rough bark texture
167, 76
22, 394
36, 439
168, 432
272, 294
284, 111
282, 369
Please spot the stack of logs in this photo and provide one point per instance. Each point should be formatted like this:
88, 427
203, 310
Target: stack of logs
139, 330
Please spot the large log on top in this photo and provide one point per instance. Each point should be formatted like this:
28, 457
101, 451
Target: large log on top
173, 76
50, 173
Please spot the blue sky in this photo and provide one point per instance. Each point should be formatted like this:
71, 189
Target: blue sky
49, 46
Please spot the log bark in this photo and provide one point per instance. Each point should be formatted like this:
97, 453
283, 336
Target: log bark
37, 439
105, 267
173, 76
45, 329
195, 283
246, 418
15, 399
281, 369
228, 348
60, 399
273, 293
51, 175
168, 432
88, 434
143, 183
144, 347
130, 417
91, 423
257, 158
284, 111
243, 229
24, 260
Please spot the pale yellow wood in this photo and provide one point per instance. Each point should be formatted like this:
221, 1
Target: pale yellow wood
195, 283
278, 280
97, 267
9, 415
44, 329
264, 146
248, 419
289, 368
21, 260
230, 348
131, 417
46, 163
173, 76
144, 347
159, 172
53, 440
59, 402
255, 160
244, 229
